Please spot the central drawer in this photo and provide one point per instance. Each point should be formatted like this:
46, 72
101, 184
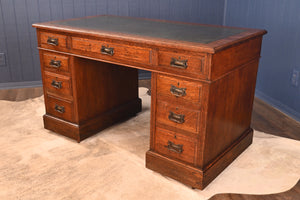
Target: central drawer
112, 51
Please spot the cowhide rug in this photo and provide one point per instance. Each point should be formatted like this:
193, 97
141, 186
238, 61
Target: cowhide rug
38, 164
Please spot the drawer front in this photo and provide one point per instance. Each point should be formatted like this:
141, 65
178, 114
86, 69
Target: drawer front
112, 51
55, 62
52, 40
177, 89
58, 84
175, 145
177, 117
60, 108
183, 63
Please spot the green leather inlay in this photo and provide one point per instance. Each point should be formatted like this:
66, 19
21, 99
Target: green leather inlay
165, 30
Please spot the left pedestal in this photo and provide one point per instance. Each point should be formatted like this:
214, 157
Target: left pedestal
84, 96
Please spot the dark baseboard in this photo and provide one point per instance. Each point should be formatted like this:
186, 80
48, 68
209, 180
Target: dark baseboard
278, 105
15, 85
144, 75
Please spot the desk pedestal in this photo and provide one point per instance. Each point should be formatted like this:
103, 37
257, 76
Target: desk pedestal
95, 95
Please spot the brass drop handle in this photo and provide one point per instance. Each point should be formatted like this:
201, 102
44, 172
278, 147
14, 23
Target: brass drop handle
52, 41
178, 92
177, 148
177, 118
56, 84
182, 64
55, 63
107, 50
60, 109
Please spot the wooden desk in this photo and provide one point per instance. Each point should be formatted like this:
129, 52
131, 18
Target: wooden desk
203, 82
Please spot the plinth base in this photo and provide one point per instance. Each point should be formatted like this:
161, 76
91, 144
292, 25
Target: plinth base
82, 131
192, 176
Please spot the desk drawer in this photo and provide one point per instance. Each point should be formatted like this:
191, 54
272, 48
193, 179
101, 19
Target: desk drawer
55, 62
58, 84
183, 63
60, 108
53, 40
177, 90
112, 51
175, 145
177, 117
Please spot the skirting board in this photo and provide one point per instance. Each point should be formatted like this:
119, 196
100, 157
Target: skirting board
15, 85
144, 75
278, 105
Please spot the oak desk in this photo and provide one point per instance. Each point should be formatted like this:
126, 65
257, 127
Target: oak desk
203, 82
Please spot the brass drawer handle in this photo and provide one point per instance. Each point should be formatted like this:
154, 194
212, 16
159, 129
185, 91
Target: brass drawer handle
56, 84
60, 109
55, 63
177, 148
182, 64
177, 118
178, 92
107, 50
52, 41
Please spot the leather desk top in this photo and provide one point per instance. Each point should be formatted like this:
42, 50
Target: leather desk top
210, 37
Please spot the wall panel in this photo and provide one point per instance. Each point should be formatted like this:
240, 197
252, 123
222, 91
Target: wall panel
280, 51
4, 69
12, 41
